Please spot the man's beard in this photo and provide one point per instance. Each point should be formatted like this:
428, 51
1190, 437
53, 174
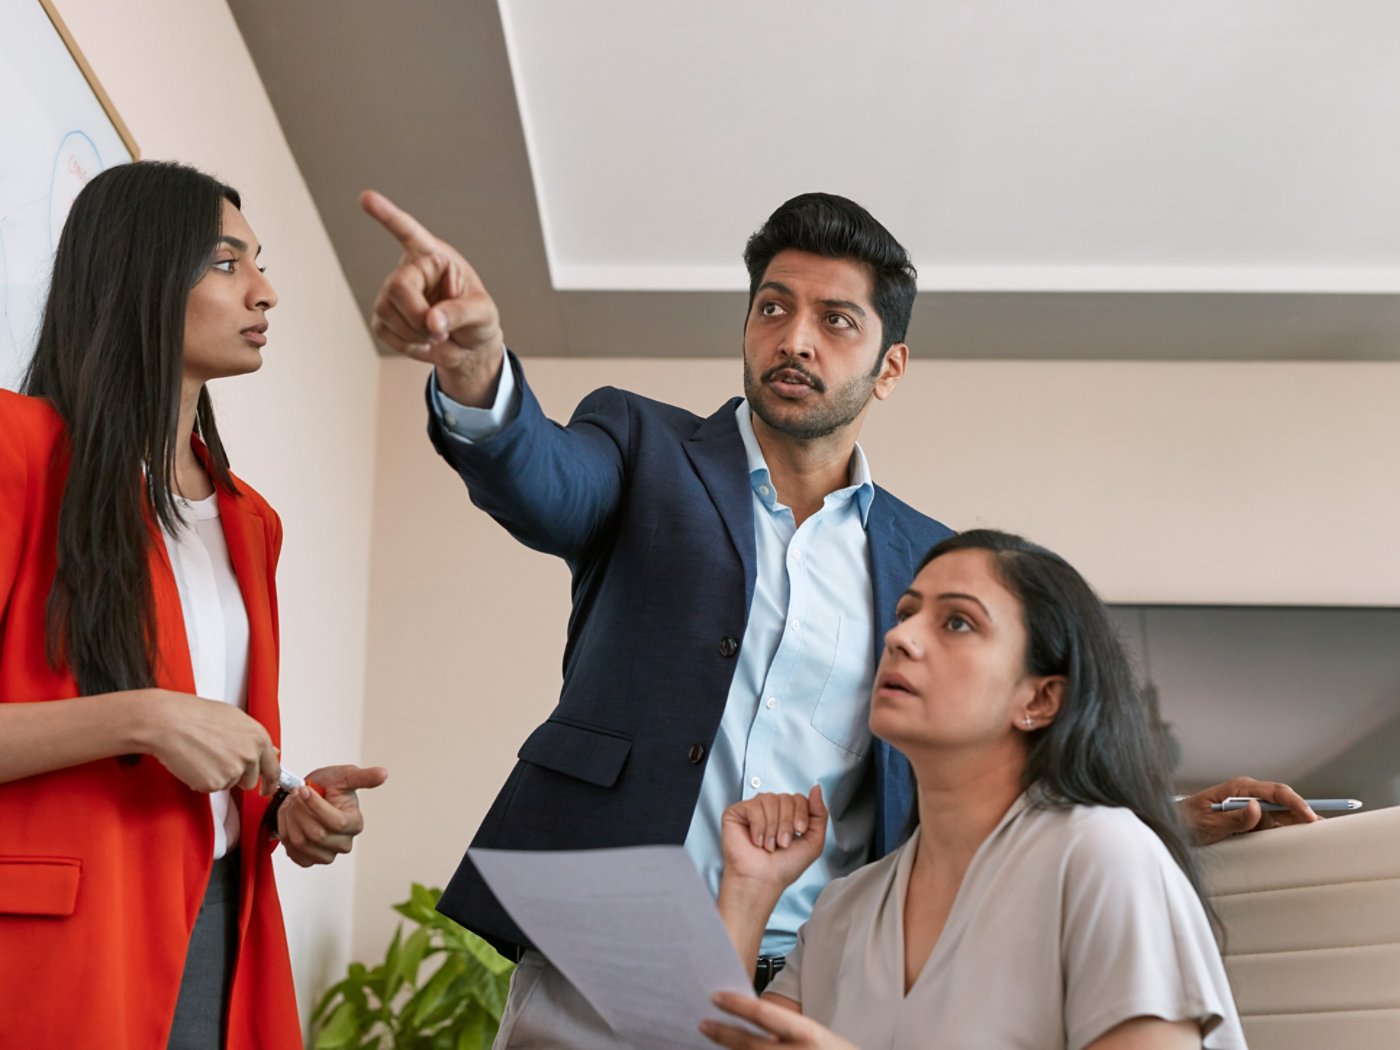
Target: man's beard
840, 410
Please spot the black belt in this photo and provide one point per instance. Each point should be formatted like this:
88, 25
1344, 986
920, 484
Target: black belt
767, 969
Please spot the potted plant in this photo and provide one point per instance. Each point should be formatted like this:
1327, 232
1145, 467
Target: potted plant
439, 988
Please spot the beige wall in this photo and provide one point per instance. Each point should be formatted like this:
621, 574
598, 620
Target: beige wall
1230, 483
302, 429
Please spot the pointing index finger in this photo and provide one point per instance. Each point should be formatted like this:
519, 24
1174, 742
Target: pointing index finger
407, 230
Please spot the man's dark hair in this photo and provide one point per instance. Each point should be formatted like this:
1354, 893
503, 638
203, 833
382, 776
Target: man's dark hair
838, 228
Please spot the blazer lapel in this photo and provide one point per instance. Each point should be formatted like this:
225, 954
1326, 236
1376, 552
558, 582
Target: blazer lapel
717, 452
174, 669
246, 537
891, 563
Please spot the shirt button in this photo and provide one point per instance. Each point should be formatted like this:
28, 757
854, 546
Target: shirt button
796, 555
763, 490
755, 783
697, 752
449, 419
728, 646
771, 702
796, 625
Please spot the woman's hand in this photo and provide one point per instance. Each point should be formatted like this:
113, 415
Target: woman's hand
768, 841
207, 745
785, 1027
771, 839
313, 829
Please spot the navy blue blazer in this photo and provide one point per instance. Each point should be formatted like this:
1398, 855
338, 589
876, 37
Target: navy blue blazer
651, 508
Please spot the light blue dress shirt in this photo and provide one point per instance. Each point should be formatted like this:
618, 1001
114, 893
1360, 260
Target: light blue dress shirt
798, 707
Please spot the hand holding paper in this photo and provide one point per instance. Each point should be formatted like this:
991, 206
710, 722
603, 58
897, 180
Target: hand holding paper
634, 930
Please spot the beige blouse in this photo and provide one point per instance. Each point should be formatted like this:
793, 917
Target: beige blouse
1068, 922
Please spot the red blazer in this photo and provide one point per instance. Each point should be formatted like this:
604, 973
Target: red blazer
103, 866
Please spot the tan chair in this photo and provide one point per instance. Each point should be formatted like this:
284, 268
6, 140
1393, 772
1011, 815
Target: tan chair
1312, 931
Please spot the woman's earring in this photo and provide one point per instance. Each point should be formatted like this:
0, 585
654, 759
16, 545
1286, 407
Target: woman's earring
1028, 721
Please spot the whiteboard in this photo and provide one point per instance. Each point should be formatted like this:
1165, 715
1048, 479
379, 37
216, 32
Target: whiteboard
57, 131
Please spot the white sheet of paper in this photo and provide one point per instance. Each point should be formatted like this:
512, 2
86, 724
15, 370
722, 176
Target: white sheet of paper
635, 930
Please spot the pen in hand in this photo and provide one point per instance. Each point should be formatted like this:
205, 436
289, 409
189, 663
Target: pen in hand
1315, 804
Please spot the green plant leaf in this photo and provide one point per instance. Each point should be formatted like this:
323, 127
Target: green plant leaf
393, 974
476, 1033
414, 949
458, 1005
430, 997
334, 993
376, 981
485, 991
341, 1029
456, 998
493, 960
421, 905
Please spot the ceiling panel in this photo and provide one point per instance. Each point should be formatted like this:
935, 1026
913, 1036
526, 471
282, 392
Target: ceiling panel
1014, 146
1079, 180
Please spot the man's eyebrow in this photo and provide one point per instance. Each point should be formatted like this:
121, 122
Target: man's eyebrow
840, 304
240, 245
844, 304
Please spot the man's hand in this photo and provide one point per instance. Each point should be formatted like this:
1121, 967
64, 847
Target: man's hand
434, 308
313, 829
1209, 826
786, 1027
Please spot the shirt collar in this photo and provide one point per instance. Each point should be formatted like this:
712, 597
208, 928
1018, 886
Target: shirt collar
860, 486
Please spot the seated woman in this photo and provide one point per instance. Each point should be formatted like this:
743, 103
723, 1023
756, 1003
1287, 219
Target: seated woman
1048, 897
139, 648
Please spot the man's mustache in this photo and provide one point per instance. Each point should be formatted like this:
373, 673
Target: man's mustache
812, 381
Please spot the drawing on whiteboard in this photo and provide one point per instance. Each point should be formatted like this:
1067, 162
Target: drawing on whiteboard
29, 232
56, 137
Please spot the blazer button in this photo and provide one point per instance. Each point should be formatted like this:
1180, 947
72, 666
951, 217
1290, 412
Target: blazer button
697, 752
728, 646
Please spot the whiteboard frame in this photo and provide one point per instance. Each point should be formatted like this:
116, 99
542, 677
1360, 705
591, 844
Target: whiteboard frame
123, 132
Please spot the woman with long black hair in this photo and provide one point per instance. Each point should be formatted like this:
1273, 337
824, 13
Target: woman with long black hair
138, 647
1048, 897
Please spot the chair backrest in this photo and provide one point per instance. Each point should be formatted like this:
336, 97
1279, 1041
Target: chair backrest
1312, 931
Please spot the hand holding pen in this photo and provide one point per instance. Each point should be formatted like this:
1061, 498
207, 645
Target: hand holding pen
1210, 822
320, 817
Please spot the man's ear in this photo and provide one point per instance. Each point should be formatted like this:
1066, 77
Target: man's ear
891, 369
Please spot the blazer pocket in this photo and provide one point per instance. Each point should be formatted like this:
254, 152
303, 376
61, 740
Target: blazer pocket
591, 755
39, 885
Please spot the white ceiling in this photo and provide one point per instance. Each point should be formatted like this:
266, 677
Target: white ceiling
1084, 179
1083, 145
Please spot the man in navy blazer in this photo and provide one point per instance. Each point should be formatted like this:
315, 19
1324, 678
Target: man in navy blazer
685, 538
662, 586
